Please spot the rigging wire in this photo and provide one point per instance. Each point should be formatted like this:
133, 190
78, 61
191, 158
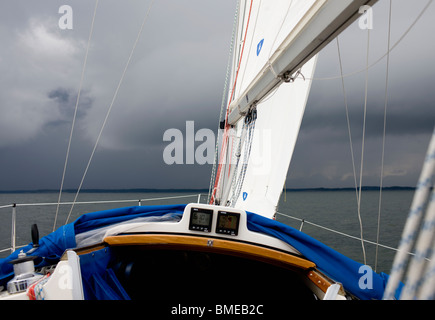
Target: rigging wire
363, 145
245, 140
225, 135
357, 194
368, 66
75, 113
224, 97
111, 105
381, 184
342, 76
384, 55
347, 119
357, 190
234, 196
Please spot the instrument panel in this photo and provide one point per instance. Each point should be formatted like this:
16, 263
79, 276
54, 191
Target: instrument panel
200, 219
227, 222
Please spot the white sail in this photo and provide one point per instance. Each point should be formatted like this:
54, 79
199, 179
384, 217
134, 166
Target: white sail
277, 42
255, 181
274, 138
270, 22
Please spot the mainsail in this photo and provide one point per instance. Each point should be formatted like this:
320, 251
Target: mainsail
273, 61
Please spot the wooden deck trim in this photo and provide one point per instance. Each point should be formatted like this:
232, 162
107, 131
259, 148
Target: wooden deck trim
317, 279
322, 282
210, 244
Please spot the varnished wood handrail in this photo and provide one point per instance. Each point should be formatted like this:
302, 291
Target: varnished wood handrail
211, 244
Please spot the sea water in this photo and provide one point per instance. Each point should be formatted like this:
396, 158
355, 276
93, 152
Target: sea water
332, 209
338, 210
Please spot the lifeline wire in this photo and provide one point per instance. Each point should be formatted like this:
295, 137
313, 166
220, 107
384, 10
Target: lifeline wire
110, 107
75, 113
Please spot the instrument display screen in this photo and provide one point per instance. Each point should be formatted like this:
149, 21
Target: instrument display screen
228, 223
200, 219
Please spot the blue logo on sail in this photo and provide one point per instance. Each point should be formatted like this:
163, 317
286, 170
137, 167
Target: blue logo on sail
260, 46
245, 195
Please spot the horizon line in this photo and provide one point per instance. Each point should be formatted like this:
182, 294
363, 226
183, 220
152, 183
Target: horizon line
175, 190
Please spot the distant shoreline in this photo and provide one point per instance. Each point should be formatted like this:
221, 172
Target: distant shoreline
145, 190
368, 188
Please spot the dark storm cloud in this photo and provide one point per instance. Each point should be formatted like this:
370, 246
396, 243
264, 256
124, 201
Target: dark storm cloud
66, 100
323, 154
177, 74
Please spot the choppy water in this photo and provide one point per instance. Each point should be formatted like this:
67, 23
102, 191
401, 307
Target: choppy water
336, 210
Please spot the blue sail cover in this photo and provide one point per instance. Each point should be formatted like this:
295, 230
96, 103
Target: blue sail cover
334, 264
52, 246
104, 284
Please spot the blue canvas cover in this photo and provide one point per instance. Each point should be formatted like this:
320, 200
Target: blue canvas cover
337, 266
332, 263
99, 280
52, 246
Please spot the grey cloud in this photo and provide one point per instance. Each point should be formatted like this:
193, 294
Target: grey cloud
177, 74
66, 100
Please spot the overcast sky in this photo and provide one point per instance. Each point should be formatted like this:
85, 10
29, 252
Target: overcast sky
177, 74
